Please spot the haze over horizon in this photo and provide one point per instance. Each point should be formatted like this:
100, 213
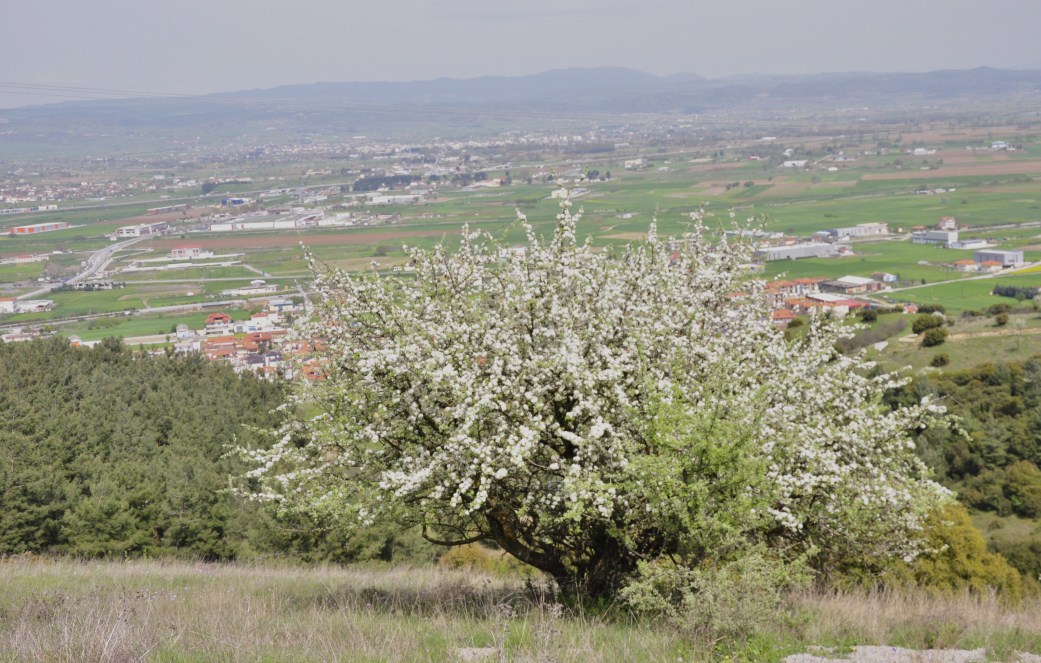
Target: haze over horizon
197, 47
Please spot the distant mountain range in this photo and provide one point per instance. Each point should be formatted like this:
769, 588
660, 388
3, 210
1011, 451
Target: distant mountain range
456, 106
625, 87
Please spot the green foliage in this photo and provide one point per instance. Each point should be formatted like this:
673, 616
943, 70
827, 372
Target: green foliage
940, 359
481, 558
1024, 553
958, 559
107, 453
932, 308
868, 315
1016, 292
934, 336
1023, 488
731, 600
1001, 319
928, 321
992, 463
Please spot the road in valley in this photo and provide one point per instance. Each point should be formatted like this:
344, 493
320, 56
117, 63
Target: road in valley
97, 262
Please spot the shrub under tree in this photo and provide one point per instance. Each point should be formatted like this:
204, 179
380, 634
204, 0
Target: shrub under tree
598, 415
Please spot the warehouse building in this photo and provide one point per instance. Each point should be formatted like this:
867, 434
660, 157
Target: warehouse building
37, 228
1006, 258
796, 251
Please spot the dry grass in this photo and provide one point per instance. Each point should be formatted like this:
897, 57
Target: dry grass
62, 610
154, 611
920, 620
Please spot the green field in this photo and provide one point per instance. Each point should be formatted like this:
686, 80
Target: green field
966, 295
22, 272
126, 327
988, 189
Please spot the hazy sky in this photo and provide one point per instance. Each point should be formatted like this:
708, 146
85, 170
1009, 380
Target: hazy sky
199, 46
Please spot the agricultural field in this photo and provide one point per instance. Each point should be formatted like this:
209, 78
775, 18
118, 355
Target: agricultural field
132, 326
847, 179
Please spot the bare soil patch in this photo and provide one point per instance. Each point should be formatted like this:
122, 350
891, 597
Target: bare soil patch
990, 168
941, 135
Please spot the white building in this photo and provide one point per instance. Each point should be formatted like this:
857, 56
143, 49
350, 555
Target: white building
33, 305
1006, 258
796, 251
189, 253
944, 237
876, 229
142, 230
406, 199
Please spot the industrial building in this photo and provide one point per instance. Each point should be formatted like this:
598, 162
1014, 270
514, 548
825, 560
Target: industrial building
143, 230
796, 251
852, 285
189, 253
944, 237
37, 228
1006, 258
876, 229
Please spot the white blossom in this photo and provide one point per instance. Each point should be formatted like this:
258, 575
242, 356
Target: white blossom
529, 379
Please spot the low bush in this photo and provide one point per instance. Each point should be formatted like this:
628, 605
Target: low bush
868, 315
927, 321
729, 600
934, 336
483, 559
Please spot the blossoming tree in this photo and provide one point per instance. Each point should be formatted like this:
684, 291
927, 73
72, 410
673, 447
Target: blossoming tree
587, 410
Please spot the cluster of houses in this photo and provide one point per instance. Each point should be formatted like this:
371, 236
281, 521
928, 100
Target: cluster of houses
793, 297
260, 344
